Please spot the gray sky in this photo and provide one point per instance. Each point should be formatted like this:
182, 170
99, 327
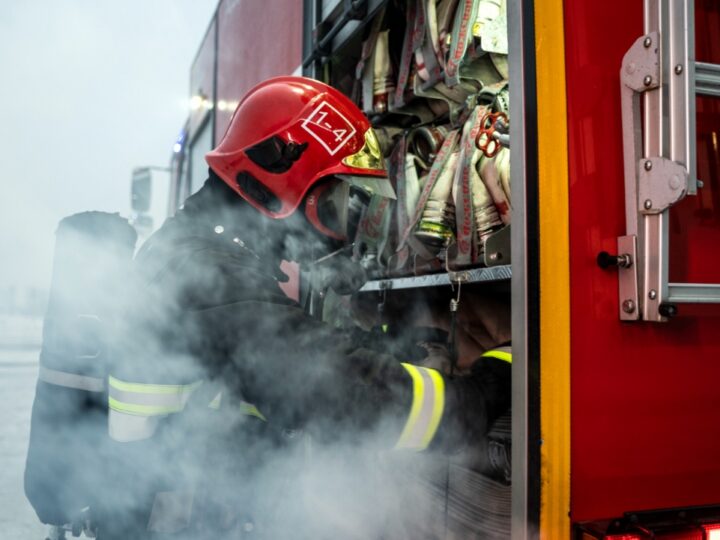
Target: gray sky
90, 89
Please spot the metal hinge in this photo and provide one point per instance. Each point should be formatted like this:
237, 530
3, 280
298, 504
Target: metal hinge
661, 183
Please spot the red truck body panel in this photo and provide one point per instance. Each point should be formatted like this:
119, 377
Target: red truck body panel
644, 396
202, 77
255, 43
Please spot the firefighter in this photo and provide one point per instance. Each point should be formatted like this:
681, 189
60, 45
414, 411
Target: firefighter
211, 332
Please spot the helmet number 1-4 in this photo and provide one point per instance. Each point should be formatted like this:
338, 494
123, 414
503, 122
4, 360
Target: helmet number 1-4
329, 127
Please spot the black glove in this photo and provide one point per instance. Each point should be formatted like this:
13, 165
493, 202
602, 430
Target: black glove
473, 403
410, 344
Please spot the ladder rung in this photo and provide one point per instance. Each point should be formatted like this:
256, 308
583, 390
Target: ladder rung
693, 293
707, 79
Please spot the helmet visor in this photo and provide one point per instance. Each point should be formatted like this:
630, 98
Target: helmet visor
369, 157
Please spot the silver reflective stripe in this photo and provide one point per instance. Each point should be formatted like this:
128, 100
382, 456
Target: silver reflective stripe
171, 511
71, 380
426, 409
124, 427
414, 440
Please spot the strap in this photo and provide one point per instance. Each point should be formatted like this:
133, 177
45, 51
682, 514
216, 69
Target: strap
446, 150
464, 185
426, 59
426, 409
249, 409
364, 73
405, 186
216, 401
71, 380
445, 15
464, 19
438, 214
501, 353
383, 83
397, 170
413, 35
495, 176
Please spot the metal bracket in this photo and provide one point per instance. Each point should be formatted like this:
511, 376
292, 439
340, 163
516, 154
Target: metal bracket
661, 183
497, 248
630, 307
640, 72
641, 64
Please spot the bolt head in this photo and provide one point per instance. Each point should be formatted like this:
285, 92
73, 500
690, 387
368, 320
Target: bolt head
652, 294
219, 229
647, 204
648, 165
647, 42
675, 182
678, 69
647, 81
628, 306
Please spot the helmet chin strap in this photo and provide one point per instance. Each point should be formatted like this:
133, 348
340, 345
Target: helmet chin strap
313, 203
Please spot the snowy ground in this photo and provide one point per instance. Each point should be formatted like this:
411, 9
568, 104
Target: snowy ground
19, 350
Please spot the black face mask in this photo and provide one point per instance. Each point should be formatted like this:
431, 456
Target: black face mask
340, 203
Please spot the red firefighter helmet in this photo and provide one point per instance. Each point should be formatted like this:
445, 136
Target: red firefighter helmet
287, 134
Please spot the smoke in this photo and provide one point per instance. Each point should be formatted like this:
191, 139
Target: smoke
83, 104
316, 462
80, 111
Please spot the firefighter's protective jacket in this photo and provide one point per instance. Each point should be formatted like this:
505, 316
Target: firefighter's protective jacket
211, 326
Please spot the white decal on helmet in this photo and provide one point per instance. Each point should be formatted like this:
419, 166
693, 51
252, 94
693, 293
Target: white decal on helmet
329, 127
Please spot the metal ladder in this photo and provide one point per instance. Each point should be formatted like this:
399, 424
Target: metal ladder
659, 144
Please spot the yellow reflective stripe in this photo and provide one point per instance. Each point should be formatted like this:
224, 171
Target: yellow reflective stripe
143, 388
215, 403
500, 355
426, 409
418, 391
251, 410
142, 410
148, 399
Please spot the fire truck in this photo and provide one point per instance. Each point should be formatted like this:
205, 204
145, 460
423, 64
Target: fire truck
609, 267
